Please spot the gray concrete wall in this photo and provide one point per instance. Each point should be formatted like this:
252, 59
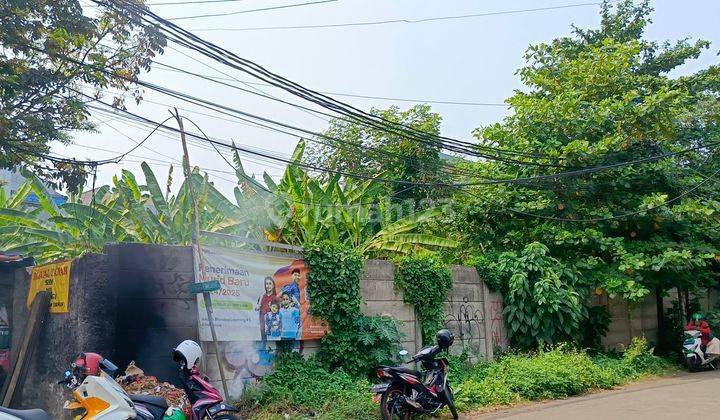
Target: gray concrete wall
466, 313
382, 298
89, 326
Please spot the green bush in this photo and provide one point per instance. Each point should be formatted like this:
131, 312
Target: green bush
425, 282
304, 388
356, 342
556, 373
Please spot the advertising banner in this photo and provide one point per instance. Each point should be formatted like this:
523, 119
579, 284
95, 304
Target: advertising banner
262, 297
54, 278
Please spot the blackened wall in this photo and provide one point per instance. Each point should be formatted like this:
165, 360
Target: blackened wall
154, 309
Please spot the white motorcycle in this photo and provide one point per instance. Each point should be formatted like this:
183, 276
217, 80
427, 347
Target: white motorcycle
695, 357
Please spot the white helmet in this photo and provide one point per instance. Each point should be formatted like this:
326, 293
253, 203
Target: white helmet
188, 353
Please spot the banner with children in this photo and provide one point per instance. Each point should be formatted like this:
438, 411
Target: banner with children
262, 297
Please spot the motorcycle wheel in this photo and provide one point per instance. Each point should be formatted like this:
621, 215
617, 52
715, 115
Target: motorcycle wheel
692, 363
226, 417
389, 402
450, 401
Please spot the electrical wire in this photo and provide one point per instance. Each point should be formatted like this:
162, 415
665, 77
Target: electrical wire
349, 95
286, 6
402, 21
176, 3
191, 41
490, 181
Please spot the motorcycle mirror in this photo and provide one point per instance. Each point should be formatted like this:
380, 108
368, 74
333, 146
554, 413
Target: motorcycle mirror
403, 352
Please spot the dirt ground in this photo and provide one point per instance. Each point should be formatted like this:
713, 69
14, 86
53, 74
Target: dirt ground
691, 396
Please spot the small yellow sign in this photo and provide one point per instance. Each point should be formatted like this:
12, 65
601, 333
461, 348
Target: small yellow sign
54, 278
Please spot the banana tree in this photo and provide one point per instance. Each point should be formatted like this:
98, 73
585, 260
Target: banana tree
300, 210
125, 212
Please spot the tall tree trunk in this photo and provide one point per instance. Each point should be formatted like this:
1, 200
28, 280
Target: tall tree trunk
687, 306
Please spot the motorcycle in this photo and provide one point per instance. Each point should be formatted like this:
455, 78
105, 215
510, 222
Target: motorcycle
100, 397
406, 391
33, 414
207, 403
695, 357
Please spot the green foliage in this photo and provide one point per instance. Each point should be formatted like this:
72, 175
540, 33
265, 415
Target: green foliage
425, 282
303, 210
304, 388
595, 327
600, 97
50, 51
487, 268
556, 373
357, 342
347, 146
116, 214
542, 305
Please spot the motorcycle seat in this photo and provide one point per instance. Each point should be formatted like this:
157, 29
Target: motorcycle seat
401, 369
34, 414
156, 405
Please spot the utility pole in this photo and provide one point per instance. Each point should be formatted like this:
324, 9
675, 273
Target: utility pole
198, 248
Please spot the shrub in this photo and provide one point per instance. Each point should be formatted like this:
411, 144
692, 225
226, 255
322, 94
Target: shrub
639, 357
489, 391
305, 388
356, 342
556, 373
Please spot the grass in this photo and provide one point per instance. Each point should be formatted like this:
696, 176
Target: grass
302, 388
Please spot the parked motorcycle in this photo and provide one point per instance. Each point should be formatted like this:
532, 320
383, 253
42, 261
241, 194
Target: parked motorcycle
91, 380
695, 357
207, 403
406, 391
33, 414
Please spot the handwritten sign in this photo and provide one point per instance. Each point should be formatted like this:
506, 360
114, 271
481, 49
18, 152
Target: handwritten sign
54, 278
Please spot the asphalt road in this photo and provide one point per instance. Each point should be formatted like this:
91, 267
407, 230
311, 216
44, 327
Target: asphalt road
684, 396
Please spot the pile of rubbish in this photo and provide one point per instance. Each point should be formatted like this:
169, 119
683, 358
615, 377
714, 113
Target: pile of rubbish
136, 382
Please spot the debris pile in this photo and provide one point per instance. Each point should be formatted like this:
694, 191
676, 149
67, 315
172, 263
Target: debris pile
136, 382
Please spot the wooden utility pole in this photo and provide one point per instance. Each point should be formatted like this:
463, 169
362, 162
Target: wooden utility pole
198, 248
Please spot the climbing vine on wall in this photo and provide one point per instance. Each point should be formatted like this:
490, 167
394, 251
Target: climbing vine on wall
425, 282
357, 343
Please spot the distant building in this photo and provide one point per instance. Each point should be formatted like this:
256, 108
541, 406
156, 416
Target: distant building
11, 181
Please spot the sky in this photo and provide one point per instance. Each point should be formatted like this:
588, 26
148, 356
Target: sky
460, 60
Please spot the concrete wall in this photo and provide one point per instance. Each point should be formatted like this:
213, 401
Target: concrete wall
89, 326
155, 310
628, 320
381, 298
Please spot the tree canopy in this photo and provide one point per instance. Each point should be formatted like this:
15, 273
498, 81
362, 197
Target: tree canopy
52, 55
644, 217
349, 146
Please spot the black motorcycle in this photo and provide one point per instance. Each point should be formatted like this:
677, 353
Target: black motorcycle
406, 391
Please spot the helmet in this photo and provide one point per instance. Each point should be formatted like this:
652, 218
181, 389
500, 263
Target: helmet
697, 316
187, 353
87, 364
444, 338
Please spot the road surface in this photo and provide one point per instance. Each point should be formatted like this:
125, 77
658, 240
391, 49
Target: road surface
685, 396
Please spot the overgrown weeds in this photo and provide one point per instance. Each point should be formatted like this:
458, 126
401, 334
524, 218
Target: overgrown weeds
303, 388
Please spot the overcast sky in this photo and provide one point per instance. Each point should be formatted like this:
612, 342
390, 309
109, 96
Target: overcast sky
463, 60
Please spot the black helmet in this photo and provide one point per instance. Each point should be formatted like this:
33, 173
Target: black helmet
444, 338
